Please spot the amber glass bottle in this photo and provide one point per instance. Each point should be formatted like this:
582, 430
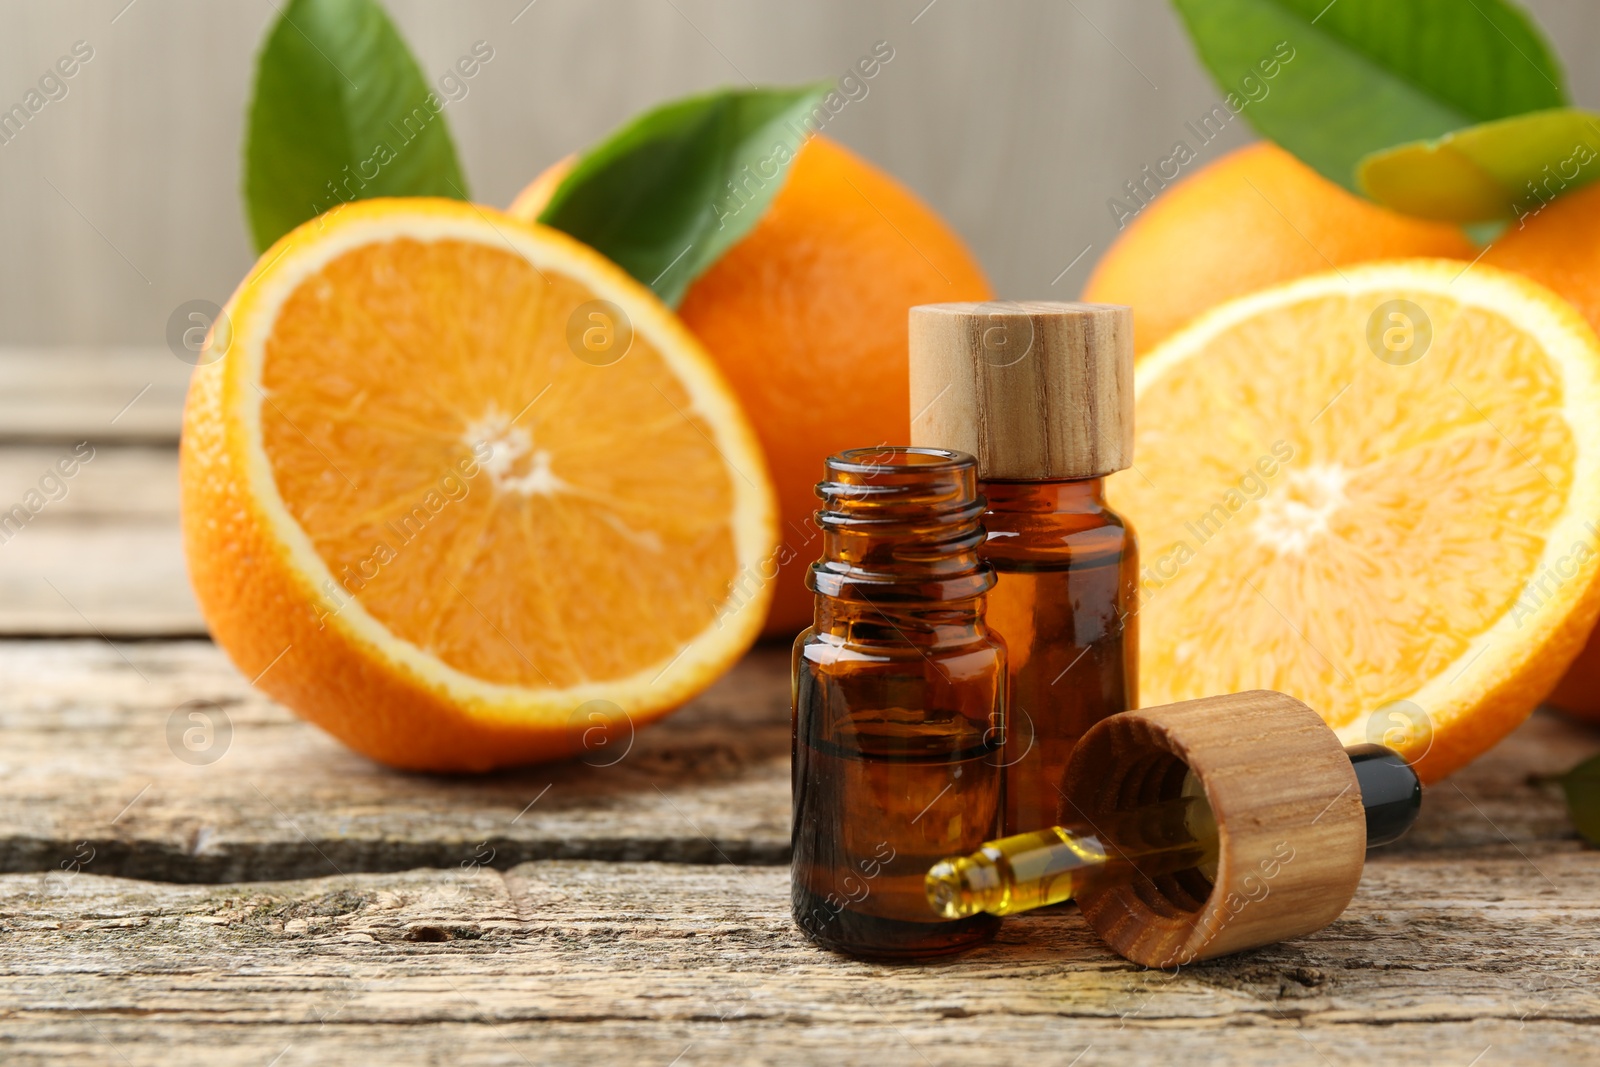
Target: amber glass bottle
1042, 395
898, 704
1068, 572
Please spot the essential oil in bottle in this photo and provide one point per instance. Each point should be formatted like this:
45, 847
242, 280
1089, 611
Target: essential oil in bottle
1042, 395
898, 704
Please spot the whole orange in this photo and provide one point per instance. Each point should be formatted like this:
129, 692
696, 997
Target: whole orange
807, 318
1254, 218
1560, 248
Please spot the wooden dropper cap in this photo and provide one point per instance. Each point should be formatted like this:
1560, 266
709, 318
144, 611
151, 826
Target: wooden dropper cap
1291, 827
1035, 390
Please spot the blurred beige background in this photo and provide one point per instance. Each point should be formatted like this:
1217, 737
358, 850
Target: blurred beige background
1017, 119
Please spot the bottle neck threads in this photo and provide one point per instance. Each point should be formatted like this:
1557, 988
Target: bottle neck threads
901, 528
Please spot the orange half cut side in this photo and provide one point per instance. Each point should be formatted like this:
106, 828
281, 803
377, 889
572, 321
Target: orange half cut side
461, 489
1376, 490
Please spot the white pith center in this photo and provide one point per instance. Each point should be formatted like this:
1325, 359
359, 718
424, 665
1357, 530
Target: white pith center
513, 464
1301, 509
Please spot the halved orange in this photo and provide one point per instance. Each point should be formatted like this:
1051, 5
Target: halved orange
465, 494
1377, 490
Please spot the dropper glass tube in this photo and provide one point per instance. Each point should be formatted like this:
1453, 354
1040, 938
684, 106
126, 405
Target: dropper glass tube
1042, 867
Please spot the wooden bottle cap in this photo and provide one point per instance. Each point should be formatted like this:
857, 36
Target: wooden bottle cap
1291, 827
1035, 390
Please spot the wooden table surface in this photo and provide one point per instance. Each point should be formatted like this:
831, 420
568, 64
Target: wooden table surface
290, 902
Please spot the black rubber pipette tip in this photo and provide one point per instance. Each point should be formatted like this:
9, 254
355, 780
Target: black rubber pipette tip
1390, 791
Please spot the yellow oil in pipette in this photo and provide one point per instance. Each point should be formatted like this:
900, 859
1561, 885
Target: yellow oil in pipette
1049, 866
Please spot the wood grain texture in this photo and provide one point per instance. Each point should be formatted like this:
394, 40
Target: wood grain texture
1439, 959
90, 767
85, 725
98, 552
1292, 832
101, 394
1034, 390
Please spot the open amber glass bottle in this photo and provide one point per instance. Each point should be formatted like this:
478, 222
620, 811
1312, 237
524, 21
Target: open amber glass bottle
1042, 395
899, 693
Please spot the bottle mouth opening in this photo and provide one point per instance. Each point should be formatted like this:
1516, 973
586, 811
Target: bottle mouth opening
886, 459
899, 485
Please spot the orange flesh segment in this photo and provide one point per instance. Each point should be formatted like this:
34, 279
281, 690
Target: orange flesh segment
1407, 520
504, 564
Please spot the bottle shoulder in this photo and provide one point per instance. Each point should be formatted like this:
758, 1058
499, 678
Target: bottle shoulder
1097, 538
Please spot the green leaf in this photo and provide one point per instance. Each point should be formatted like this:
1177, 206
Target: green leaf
1582, 786
1498, 170
1365, 75
341, 112
670, 192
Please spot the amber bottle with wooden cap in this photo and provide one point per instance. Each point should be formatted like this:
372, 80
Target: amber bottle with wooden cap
898, 700
1042, 395
1198, 829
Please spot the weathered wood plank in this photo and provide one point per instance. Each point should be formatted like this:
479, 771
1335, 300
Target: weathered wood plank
96, 550
87, 766
103, 394
104, 483
1440, 958
121, 580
